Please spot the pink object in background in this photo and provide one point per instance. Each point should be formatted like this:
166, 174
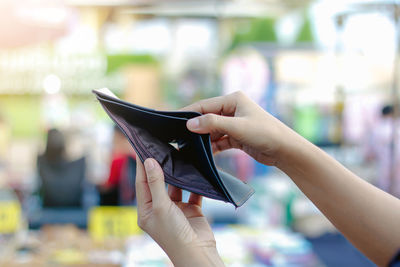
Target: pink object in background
379, 147
26, 22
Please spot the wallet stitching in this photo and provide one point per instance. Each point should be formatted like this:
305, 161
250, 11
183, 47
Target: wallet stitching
219, 181
150, 111
197, 192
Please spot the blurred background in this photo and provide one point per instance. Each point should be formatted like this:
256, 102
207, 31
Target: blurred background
328, 69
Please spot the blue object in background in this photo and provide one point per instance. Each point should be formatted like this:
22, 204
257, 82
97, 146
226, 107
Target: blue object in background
335, 250
261, 169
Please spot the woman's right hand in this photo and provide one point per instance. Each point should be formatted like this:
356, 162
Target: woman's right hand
235, 121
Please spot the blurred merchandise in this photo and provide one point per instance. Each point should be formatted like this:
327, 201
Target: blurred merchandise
379, 146
263, 247
238, 245
5, 135
248, 71
323, 67
44, 248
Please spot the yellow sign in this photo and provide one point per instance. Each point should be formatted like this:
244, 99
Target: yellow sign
117, 222
10, 216
70, 256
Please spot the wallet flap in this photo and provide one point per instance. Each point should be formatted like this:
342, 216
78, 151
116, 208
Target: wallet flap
238, 190
106, 94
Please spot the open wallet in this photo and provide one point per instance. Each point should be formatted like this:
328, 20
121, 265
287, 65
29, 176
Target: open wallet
185, 157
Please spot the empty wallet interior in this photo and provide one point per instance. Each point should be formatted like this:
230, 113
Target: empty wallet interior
166, 139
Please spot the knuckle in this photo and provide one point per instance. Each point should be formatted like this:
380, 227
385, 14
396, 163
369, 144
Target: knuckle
152, 179
239, 94
199, 106
155, 174
210, 119
199, 103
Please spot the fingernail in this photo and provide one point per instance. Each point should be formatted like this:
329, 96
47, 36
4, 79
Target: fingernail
149, 164
193, 123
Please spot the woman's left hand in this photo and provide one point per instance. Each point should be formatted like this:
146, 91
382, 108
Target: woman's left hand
179, 228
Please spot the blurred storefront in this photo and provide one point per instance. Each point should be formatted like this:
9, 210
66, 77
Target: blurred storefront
324, 68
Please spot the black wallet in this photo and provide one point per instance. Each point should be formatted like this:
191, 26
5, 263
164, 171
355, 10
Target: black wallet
185, 157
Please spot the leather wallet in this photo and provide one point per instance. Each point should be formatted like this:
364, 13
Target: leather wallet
185, 157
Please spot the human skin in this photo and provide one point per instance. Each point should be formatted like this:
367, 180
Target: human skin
179, 228
366, 215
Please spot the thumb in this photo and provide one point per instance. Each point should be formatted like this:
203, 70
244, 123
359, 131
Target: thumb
155, 180
209, 123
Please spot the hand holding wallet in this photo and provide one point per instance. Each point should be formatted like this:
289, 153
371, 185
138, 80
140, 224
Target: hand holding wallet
185, 157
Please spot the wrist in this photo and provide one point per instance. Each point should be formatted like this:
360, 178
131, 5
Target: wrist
195, 256
293, 152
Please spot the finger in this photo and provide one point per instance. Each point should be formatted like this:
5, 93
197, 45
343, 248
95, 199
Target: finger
155, 180
190, 211
216, 136
175, 193
143, 195
195, 199
224, 143
211, 123
221, 105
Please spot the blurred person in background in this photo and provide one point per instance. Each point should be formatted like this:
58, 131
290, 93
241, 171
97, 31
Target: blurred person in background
119, 189
379, 148
366, 215
61, 180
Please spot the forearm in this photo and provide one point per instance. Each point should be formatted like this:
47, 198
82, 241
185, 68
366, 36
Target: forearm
367, 216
